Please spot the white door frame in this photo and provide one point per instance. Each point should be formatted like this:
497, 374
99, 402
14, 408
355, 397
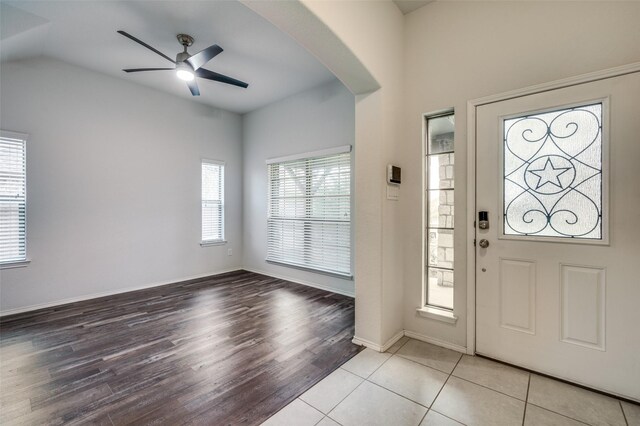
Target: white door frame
472, 106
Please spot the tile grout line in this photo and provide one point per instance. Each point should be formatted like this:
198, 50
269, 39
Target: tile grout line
428, 366
560, 414
526, 399
366, 380
354, 389
306, 403
445, 384
425, 415
491, 389
624, 416
450, 418
401, 346
400, 395
340, 402
360, 384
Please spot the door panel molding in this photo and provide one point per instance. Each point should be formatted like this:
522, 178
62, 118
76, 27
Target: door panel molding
517, 303
582, 305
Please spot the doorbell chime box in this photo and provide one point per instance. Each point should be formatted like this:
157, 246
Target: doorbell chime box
393, 174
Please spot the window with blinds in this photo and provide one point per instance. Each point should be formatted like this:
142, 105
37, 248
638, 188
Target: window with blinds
309, 216
13, 198
212, 202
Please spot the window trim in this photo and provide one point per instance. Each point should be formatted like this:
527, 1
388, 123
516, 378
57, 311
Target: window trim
427, 310
344, 149
222, 240
19, 263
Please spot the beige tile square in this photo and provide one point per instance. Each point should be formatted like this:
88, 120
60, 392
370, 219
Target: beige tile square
436, 419
297, 413
414, 381
327, 422
536, 416
397, 345
500, 377
372, 405
327, 393
574, 402
472, 404
632, 413
430, 355
366, 362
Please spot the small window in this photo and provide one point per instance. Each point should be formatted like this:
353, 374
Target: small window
212, 202
13, 198
439, 208
309, 216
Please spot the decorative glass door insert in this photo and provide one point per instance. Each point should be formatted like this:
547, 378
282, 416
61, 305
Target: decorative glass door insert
553, 174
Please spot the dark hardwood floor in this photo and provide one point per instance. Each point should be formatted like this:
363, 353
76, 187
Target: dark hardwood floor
225, 350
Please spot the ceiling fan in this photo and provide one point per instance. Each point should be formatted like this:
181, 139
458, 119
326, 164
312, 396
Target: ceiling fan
188, 66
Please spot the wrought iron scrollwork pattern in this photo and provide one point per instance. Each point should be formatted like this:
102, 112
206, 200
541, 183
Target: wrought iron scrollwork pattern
553, 173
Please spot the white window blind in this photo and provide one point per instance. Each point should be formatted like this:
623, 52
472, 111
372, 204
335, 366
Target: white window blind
13, 199
212, 201
309, 217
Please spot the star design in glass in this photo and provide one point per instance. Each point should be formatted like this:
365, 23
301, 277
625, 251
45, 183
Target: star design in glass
549, 174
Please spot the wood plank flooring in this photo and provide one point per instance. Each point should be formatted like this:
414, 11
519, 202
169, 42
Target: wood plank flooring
225, 350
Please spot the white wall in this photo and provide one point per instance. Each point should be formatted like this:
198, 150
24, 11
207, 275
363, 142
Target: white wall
316, 119
362, 43
457, 51
113, 183
373, 31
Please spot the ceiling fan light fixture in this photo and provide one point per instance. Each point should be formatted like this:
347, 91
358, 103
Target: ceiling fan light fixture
184, 72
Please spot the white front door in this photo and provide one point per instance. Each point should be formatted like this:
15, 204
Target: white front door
558, 287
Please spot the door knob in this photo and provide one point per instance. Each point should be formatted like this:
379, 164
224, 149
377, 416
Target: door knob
484, 243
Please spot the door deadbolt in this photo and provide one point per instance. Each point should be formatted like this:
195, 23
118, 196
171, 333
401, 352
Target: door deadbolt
483, 220
484, 243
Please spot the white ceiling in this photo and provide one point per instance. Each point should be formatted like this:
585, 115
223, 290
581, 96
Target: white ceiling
84, 34
408, 6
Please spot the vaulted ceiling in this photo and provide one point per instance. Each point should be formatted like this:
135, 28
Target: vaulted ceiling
84, 34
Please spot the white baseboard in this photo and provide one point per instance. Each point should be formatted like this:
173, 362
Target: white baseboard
383, 348
109, 293
434, 341
366, 343
399, 335
303, 282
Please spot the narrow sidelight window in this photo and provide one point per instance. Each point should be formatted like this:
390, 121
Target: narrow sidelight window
212, 202
439, 208
13, 198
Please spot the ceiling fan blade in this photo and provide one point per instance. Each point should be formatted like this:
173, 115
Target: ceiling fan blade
203, 56
193, 86
145, 45
210, 75
147, 69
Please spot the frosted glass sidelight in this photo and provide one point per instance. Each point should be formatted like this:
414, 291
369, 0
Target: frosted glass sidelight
552, 174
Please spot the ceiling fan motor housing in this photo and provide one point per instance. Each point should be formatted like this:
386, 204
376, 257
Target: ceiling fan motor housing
182, 56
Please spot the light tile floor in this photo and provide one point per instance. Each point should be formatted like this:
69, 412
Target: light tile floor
416, 383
